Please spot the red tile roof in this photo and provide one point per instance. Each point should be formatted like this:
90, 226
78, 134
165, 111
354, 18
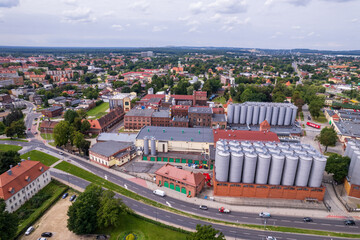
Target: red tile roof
172, 172
244, 135
18, 178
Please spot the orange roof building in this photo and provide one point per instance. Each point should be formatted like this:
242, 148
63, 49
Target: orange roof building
241, 135
21, 182
180, 180
288, 83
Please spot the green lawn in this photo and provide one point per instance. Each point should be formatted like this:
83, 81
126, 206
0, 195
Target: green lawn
36, 155
5, 147
47, 136
221, 100
321, 118
98, 111
142, 229
29, 213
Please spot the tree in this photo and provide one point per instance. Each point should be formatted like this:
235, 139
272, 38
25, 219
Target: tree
91, 93
2, 128
8, 158
85, 126
70, 116
109, 213
78, 140
339, 166
8, 222
190, 90
205, 232
327, 137
315, 108
16, 129
279, 97
125, 89
297, 100
82, 113
62, 132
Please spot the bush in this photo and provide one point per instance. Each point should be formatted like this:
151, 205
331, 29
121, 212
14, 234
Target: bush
99, 102
130, 237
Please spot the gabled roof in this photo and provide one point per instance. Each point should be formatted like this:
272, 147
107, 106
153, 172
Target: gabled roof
190, 178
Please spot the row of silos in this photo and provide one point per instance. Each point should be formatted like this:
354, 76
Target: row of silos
269, 163
353, 152
152, 146
254, 113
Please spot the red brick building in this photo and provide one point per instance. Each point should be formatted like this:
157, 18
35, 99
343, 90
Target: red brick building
137, 118
200, 116
180, 110
47, 126
52, 111
199, 98
180, 180
352, 190
160, 118
104, 123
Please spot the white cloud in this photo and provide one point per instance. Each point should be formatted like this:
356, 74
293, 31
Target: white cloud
117, 27
229, 23
277, 34
70, 2
78, 15
9, 3
159, 28
141, 6
354, 20
310, 34
298, 2
197, 7
296, 27
229, 6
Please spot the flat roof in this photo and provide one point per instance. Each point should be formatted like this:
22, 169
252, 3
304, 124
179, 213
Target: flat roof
245, 135
177, 134
117, 137
206, 110
161, 114
138, 112
348, 128
219, 118
109, 148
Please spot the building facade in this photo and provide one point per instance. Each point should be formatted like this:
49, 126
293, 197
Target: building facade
52, 112
111, 153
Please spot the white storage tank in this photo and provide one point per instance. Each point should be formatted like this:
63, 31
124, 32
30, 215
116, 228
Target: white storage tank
146, 146
222, 148
354, 157
294, 114
317, 171
283, 146
355, 178
222, 164
276, 169
236, 166
270, 145
268, 114
153, 146
263, 167
303, 171
287, 152
249, 115
274, 151
249, 168
237, 114
349, 144
246, 144
230, 113
289, 172
300, 152
234, 143
262, 114
288, 116
274, 118
258, 144
256, 113
243, 114
248, 149
281, 117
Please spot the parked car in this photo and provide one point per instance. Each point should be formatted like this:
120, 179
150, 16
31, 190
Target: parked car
29, 129
65, 195
42, 238
203, 207
270, 238
72, 198
224, 210
61, 153
264, 215
349, 222
307, 219
46, 234
29, 230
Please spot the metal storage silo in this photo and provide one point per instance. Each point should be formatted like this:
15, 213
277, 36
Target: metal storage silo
281, 117
288, 116
349, 144
236, 166
295, 147
222, 166
245, 144
270, 145
354, 157
283, 146
300, 152
256, 113
249, 168
274, 151
258, 144
222, 148
248, 149
289, 172
287, 152
262, 169
153, 146
276, 169
243, 113
235, 149
355, 177
294, 114
303, 171
220, 143
249, 115
262, 114
146, 146
352, 150
317, 171
230, 113
260, 150
274, 118
234, 143
236, 113
268, 116
306, 146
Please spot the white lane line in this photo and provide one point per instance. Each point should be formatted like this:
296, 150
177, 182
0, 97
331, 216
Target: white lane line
325, 224
244, 217
285, 220
192, 223
182, 205
246, 233
233, 231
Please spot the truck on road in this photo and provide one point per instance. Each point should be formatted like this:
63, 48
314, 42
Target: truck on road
159, 192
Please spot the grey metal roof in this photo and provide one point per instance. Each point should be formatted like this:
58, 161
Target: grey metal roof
117, 137
180, 119
135, 112
205, 110
177, 134
348, 128
161, 114
54, 108
219, 118
109, 148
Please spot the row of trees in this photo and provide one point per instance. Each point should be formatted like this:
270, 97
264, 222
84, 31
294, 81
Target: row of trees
13, 125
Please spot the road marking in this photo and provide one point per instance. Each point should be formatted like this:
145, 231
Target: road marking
233, 231
180, 220
218, 214
167, 216
182, 205
285, 220
325, 224
244, 217
246, 233
192, 223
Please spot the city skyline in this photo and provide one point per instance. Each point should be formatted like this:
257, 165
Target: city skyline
272, 24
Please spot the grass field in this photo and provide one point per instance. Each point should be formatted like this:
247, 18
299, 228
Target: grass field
98, 111
36, 155
55, 189
47, 136
221, 100
15, 140
5, 147
143, 230
321, 118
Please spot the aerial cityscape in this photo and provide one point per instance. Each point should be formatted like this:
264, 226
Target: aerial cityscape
179, 120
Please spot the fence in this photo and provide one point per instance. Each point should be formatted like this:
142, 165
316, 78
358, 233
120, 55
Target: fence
343, 202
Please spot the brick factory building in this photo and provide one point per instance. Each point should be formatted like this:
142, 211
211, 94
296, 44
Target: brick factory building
183, 181
52, 111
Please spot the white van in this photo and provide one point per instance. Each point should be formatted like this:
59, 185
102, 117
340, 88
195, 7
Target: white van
159, 192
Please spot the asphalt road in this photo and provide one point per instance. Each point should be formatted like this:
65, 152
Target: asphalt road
241, 217
185, 222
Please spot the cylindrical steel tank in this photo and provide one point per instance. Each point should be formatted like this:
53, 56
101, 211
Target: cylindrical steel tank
274, 151
220, 143
249, 115
236, 165
268, 114
248, 149
153, 146
288, 116
262, 114
222, 148
354, 157
300, 152
352, 150
245, 144
283, 146
274, 118
289, 172
146, 146
317, 171
270, 145
349, 144
258, 144
243, 113
250, 160
237, 114
262, 169
276, 169
295, 147
281, 117
230, 113
234, 143
222, 164
256, 113
260, 150
303, 171
235, 148
355, 177
294, 113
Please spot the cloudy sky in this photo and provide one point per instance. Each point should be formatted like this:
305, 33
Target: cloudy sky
315, 24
